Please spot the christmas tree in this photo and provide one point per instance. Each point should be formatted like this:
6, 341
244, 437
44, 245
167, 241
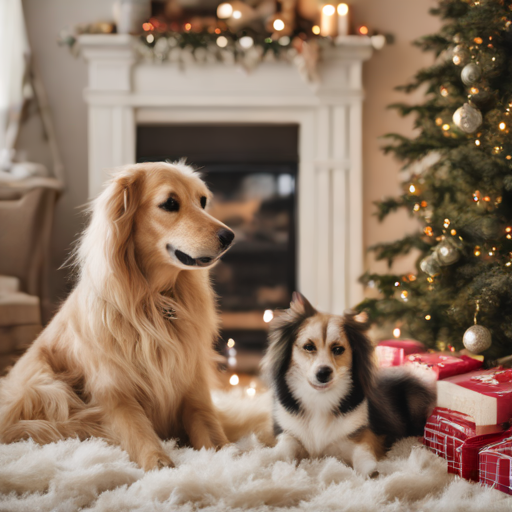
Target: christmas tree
458, 186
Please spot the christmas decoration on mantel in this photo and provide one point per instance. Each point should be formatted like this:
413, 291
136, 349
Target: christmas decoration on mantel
244, 33
457, 182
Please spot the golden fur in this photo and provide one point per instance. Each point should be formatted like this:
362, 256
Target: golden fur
110, 363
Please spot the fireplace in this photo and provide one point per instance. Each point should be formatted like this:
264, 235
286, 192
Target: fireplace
126, 94
252, 171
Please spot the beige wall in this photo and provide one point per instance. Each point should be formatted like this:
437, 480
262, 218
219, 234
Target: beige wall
65, 77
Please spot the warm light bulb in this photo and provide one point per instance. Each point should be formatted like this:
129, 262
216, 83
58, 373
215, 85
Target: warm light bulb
446, 127
477, 251
328, 10
246, 42
453, 232
224, 11
268, 315
342, 9
416, 207
412, 189
237, 15
278, 25
222, 41
396, 332
231, 343
188, 26
502, 125
477, 142
427, 317
397, 283
231, 362
363, 30
315, 30
234, 380
150, 38
250, 391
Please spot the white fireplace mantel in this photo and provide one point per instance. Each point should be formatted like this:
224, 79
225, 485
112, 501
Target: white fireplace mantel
124, 91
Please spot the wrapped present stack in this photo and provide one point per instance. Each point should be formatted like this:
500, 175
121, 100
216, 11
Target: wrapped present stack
471, 426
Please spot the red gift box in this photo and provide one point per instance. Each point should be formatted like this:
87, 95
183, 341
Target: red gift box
393, 352
485, 395
455, 437
443, 366
496, 467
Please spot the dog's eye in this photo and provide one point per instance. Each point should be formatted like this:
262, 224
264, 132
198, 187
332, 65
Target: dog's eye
309, 347
171, 205
337, 351
203, 202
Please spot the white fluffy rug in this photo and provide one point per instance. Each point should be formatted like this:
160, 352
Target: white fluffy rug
93, 476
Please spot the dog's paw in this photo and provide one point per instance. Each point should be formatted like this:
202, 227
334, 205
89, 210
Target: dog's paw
157, 460
288, 449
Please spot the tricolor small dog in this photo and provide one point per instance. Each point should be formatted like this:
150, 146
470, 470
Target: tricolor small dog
329, 398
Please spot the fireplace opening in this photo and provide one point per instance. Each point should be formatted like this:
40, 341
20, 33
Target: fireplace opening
252, 171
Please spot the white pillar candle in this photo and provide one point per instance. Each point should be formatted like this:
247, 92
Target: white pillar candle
328, 21
343, 20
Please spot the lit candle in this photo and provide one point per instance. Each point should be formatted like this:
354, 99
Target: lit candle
328, 21
343, 21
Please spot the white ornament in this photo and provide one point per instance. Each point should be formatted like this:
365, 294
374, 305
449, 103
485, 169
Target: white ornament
477, 339
430, 265
467, 118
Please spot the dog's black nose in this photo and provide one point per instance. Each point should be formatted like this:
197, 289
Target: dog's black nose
226, 237
324, 374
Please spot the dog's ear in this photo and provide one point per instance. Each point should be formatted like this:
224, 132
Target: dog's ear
108, 241
355, 326
301, 306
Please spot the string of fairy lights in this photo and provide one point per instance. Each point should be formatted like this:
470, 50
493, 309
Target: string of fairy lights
232, 361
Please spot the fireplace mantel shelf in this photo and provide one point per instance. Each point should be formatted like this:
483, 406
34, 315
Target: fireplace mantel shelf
124, 91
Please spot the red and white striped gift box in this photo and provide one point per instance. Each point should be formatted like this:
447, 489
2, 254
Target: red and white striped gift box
455, 437
495, 465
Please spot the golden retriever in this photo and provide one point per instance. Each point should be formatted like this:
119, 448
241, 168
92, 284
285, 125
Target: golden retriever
129, 355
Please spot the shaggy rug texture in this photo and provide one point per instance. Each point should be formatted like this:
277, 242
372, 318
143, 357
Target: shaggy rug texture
93, 476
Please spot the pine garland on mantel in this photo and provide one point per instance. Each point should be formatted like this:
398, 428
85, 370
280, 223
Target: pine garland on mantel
246, 48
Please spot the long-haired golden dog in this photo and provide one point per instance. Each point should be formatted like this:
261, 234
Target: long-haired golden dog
129, 355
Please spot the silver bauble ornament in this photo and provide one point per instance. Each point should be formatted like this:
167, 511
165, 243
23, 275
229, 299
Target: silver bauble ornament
430, 266
467, 118
471, 74
446, 253
477, 339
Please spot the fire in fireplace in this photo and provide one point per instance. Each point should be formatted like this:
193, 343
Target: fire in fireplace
252, 171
